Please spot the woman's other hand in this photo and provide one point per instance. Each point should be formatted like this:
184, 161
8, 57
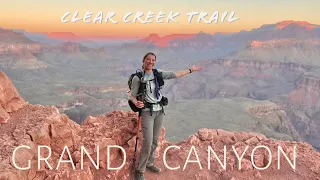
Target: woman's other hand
196, 68
139, 104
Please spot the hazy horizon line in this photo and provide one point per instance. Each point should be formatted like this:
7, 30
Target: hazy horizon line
148, 34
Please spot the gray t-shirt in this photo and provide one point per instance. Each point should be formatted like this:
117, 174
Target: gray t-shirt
150, 87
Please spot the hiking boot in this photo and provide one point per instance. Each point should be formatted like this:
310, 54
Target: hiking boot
140, 176
154, 169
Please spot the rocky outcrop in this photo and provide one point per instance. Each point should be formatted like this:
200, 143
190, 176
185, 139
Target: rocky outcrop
33, 126
203, 146
10, 99
61, 141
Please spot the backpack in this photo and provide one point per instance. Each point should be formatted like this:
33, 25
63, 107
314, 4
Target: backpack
142, 87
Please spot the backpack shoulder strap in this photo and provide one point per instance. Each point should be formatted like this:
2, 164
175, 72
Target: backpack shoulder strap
155, 71
158, 75
139, 74
142, 86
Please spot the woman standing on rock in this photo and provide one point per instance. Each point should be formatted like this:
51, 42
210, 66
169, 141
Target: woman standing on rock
152, 108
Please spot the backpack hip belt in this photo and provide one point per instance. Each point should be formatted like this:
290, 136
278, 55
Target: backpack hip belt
150, 106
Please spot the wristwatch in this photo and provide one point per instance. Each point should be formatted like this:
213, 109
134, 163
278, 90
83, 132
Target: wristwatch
190, 70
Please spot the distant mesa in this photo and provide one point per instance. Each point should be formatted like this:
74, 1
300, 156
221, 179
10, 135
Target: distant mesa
305, 24
165, 40
151, 38
63, 35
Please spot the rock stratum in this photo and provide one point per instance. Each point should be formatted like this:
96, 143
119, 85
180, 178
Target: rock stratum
46, 133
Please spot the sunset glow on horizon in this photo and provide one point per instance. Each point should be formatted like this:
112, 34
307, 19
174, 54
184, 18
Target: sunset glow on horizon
44, 16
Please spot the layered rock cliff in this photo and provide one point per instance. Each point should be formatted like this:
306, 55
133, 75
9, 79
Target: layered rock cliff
302, 51
303, 107
292, 86
306, 94
10, 100
9, 36
17, 51
275, 118
17, 48
307, 44
14, 43
231, 77
21, 55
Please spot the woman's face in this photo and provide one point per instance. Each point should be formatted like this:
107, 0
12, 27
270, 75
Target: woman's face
149, 62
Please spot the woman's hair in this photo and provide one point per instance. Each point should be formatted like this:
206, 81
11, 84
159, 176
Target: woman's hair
145, 56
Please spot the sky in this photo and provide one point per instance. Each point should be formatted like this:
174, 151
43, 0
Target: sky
46, 16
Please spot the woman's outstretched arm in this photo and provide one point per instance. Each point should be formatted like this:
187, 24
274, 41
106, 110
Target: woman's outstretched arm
188, 71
